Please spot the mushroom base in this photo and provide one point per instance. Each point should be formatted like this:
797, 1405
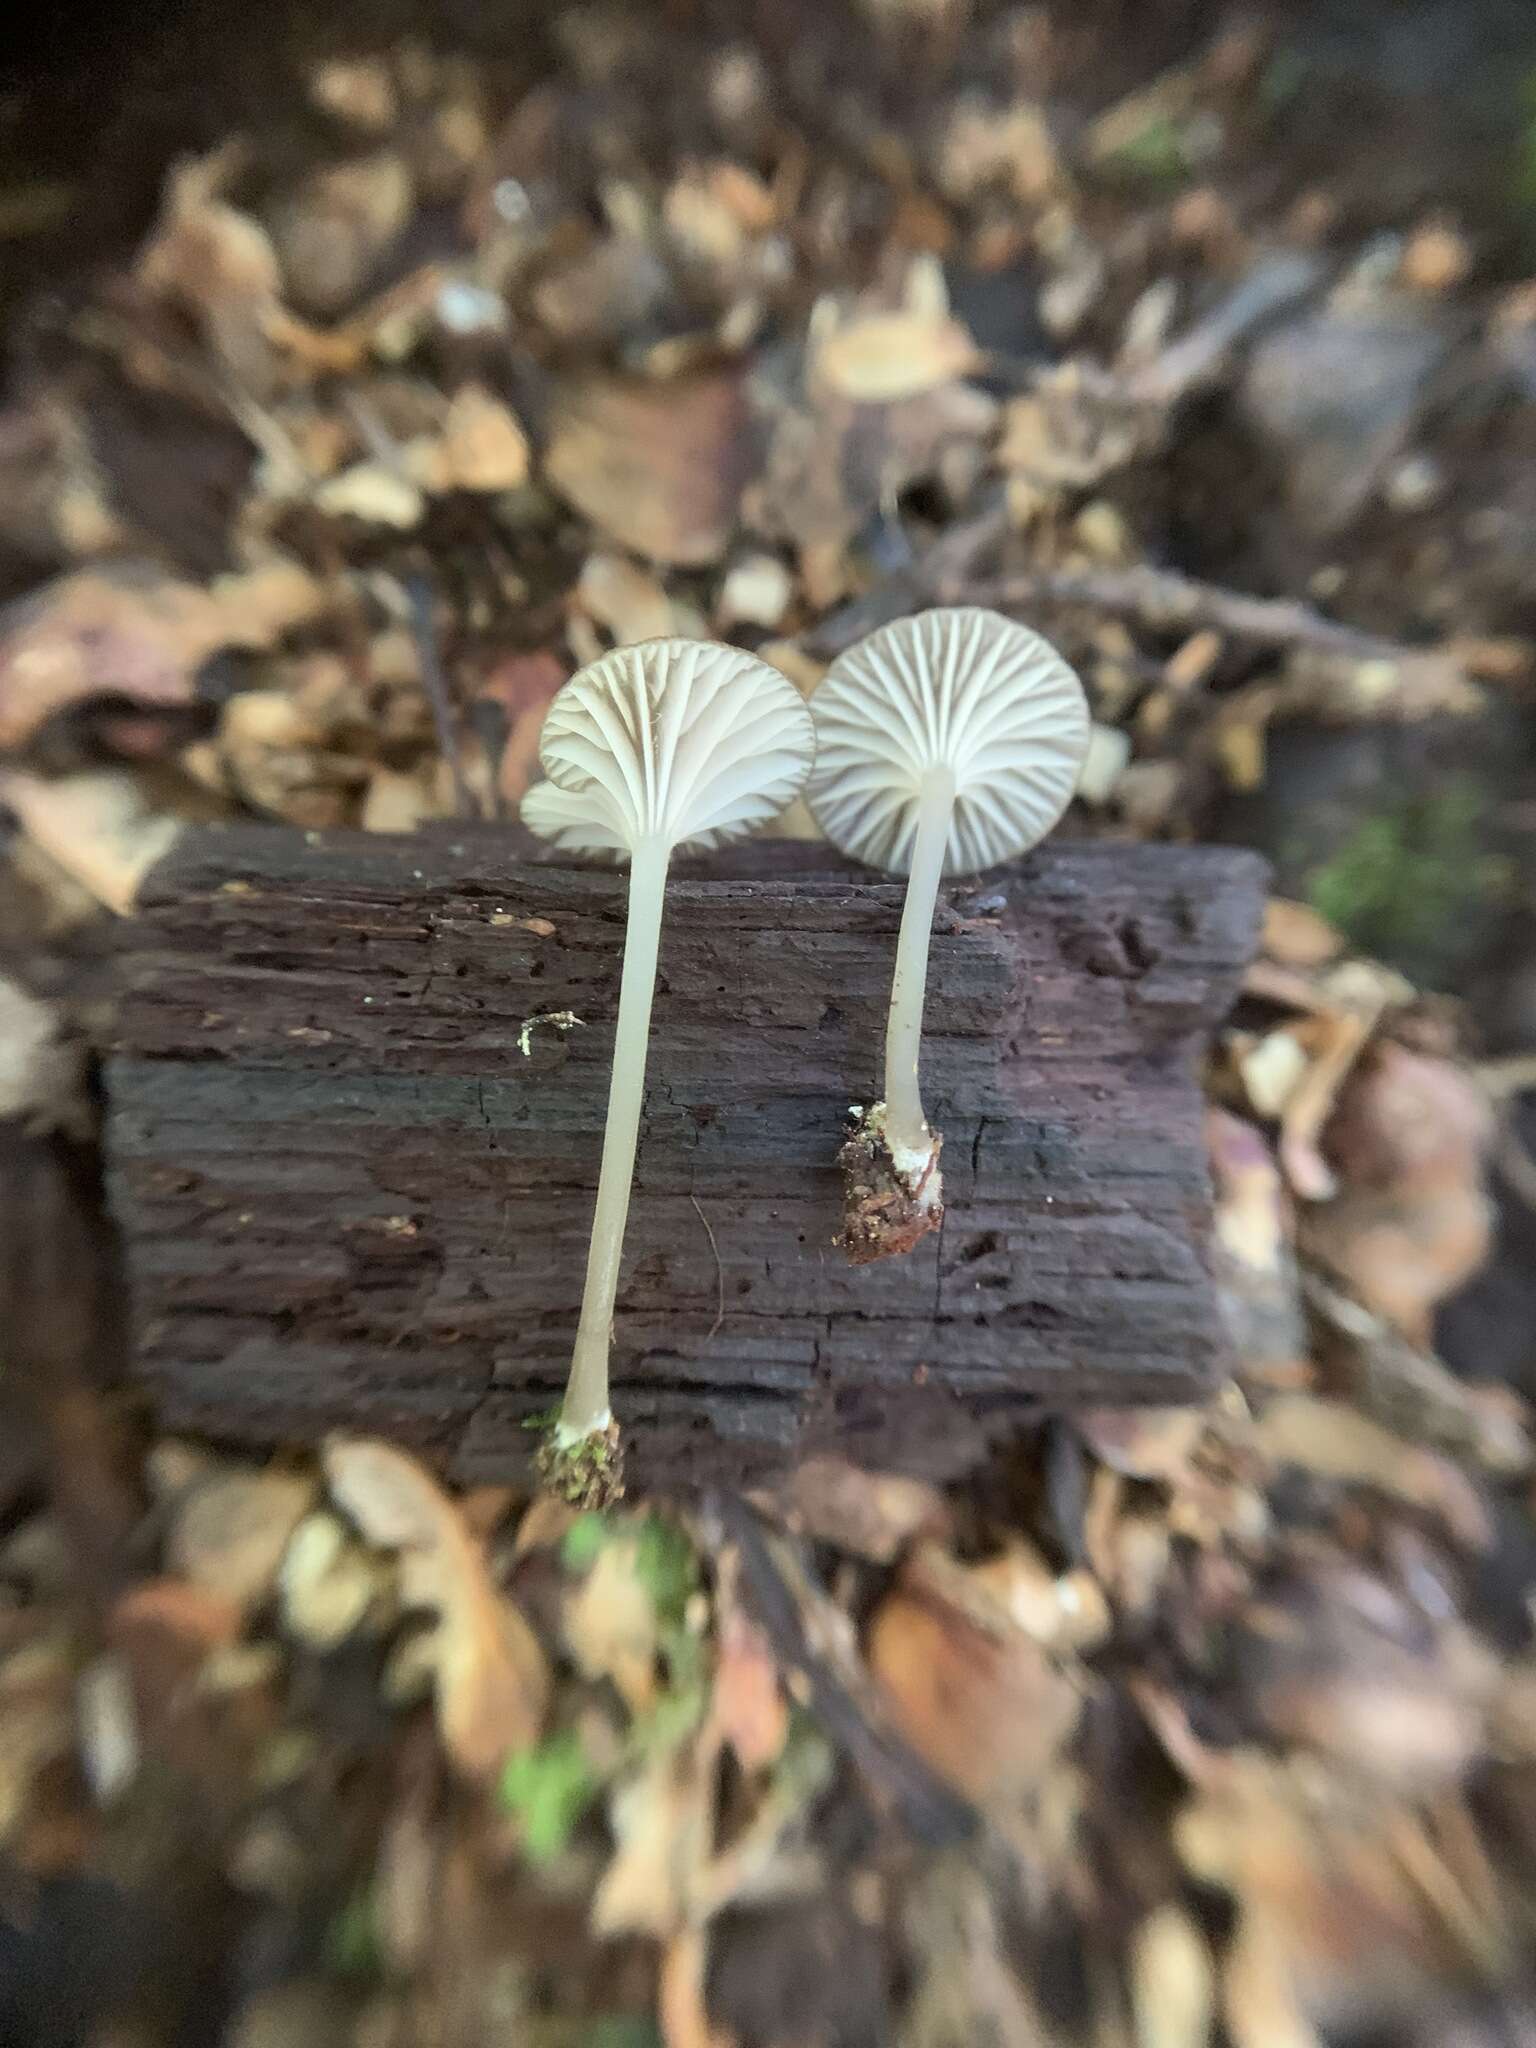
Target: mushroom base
588, 1473
886, 1211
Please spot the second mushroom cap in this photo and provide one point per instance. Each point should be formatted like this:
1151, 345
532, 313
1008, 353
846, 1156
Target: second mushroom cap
962, 689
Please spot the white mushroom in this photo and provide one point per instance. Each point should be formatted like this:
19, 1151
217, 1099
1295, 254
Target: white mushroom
945, 743
668, 744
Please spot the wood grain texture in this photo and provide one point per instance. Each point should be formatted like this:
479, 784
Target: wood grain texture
348, 1199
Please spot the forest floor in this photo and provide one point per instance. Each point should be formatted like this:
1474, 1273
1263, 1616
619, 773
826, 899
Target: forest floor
355, 392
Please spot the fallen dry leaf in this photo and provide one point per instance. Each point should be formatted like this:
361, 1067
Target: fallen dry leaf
99, 827
374, 494
748, 1709
1341, 1667
879, 358
1008, 147
37, 1678
1077, 427
229, 1535
659, 467
330, 230
1408, 1140
680, 1994
398, 802
1335, 1441
971, 1690
873, 1514
1062, 1611
1259, 2002
1328, 1914
1411, 1391
1270, 1068
966, 1988
217, 266
626, 599
1332, 1042
610, 1620
1253, 1260
124, 630
521, 686
1142, 1443
757, 590
831, 465
1108, 756
1406, 1120
1173, 1992
108, 1728
43, 1065
326, 1582
195, 1620
591, 296
128, 630
491, 1679
661, 1821
482, 446
1295, 936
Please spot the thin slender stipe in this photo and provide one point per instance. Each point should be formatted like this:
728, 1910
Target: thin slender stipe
906, 1122
668, 744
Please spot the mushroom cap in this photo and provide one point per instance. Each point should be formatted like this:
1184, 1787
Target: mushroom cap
684, 741
960, 688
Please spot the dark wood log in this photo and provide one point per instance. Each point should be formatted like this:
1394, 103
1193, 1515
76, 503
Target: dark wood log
349, 1199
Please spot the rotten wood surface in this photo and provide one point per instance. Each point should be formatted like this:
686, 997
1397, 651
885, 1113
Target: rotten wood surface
348, 1197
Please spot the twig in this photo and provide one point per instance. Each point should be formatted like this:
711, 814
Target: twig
1161, 600
1168, 602
424, 631
803, 1628
61, 1305
719, 1271
1275, 287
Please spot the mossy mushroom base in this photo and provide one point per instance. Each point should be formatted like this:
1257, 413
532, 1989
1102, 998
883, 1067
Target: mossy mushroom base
884, 1214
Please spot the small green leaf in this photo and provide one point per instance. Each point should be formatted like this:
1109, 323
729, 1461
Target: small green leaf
548, 1788
666, 1566
583, 1540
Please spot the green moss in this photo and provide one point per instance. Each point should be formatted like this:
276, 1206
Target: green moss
1411, 883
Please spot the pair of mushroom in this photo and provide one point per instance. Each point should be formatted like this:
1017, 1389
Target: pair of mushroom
942, 744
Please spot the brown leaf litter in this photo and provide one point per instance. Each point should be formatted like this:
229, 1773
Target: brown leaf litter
1165, 1727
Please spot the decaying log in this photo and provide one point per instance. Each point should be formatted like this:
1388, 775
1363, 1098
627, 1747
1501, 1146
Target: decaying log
355, 1181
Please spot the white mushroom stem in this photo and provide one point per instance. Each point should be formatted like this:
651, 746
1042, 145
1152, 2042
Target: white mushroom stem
586, 1410
906, 1127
